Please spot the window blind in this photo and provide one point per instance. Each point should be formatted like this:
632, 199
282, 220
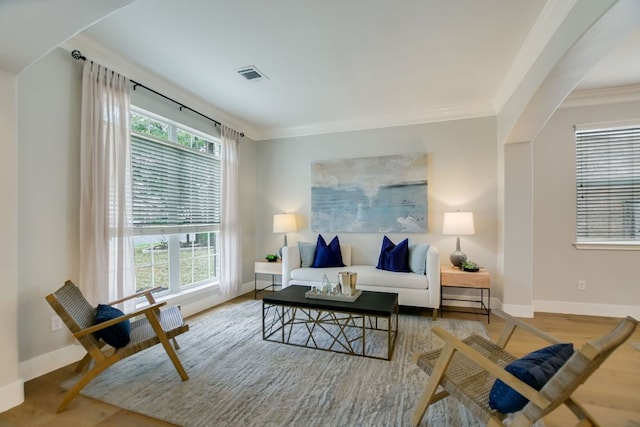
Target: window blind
173, 186
608, 184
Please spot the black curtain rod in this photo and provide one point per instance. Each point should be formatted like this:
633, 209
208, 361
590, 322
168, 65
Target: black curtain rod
76, 54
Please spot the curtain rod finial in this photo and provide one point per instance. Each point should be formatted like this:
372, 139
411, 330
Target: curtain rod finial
76, 54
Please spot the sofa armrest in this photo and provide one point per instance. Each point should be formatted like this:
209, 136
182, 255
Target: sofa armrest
433, 275
290, 261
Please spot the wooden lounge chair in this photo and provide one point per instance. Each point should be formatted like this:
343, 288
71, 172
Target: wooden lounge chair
154, 324
467, 369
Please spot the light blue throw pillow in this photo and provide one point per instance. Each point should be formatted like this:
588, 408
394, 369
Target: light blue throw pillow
307, 252
418, 257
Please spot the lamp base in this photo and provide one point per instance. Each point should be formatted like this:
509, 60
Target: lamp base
457, 258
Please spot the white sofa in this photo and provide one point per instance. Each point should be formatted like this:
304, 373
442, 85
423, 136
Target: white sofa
418, 290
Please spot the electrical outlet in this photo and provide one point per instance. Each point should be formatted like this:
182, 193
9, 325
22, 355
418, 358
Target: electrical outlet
582, 285
56, 323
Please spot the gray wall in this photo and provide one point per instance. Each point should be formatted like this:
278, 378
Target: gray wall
611, 277
48, 195
462, 174
11, 386
518, 211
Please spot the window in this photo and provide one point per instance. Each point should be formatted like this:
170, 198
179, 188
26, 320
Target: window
608, 184
176, 204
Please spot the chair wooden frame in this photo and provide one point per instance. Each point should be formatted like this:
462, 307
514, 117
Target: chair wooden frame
466, 370
150, 325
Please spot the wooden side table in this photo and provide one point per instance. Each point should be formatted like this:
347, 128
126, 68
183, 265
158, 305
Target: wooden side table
264, 267
453, 277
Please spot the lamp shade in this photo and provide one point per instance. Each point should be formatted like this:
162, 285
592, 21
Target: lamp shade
284, 223
458, 223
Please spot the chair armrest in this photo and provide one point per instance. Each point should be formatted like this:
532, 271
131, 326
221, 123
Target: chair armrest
144, 293
510, 325
116, 320
432, 270
492, 368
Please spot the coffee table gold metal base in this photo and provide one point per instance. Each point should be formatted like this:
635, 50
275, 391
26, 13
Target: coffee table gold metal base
332, 326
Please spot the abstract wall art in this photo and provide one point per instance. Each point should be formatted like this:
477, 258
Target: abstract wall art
373, 194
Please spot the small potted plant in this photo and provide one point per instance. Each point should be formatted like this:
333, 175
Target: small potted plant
271, 257
469, 266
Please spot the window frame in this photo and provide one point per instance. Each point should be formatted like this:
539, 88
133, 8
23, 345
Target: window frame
173, 232
602, 244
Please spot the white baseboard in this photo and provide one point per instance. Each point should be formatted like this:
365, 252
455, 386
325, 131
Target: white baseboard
40, 365
560, 307
587, 309
190, 304
518, 310
11, 395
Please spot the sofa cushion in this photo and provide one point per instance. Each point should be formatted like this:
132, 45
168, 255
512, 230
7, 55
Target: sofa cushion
327, 255
535, 369
418, 258
368, 275
394, 257
307, 253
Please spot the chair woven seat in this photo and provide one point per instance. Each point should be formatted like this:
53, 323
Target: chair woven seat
143, 336
467, 382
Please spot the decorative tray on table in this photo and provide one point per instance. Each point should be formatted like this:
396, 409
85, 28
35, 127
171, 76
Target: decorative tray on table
344, 298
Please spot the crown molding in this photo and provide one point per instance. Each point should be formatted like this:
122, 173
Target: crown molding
611, 95
431, 116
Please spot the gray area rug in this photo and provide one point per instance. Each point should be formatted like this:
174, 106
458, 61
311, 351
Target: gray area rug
237, 379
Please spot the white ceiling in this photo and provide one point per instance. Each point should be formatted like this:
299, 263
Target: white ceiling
332, 65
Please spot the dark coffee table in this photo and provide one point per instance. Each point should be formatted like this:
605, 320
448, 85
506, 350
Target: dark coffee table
367, 327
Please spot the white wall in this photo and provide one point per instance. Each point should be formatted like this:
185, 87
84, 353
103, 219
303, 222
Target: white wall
461, 175
11, 386
48, 153
612, 281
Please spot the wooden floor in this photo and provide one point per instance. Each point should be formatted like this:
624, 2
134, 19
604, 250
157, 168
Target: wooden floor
612, 395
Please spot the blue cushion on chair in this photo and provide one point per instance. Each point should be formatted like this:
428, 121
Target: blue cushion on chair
394, 257
327, 255
116, 335
535, 369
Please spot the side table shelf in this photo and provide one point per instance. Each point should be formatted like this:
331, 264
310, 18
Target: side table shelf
453, 277
264, 267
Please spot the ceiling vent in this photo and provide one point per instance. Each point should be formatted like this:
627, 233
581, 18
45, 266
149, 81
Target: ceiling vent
250, 72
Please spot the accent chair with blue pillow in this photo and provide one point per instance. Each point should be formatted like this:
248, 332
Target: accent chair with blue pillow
155, 323
498, 388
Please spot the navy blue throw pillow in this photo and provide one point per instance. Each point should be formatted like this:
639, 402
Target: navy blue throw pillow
535, 369
327, 255
394, 257
116, 335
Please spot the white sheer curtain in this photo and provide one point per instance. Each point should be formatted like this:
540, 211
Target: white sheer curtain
230, 233
106, 222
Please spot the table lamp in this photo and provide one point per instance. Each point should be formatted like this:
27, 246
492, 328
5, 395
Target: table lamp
284, 223
458, 224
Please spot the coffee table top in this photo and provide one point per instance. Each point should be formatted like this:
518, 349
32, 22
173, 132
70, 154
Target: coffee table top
370, 303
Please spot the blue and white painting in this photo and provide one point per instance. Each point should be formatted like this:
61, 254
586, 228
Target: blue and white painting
373, 194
